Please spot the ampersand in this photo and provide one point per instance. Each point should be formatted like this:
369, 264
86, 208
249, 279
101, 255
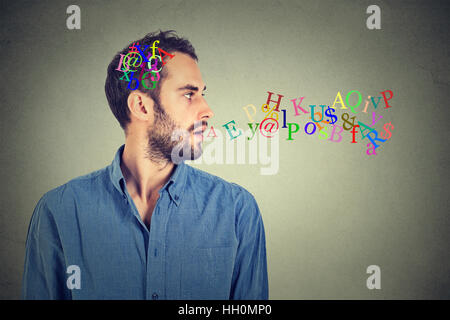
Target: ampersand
346, 121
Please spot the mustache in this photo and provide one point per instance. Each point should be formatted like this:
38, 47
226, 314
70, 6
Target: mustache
197, 124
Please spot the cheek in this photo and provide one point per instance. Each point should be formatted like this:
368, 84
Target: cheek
184, 116
183, 120
176, 110
180, 110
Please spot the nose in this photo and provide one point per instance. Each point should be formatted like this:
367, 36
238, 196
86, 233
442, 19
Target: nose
205, 111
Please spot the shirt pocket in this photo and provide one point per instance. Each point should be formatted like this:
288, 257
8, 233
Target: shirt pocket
206, 273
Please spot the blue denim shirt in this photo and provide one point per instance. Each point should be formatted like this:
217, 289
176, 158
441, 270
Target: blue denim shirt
206, 240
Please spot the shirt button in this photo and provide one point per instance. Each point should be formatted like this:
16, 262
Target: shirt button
154, 296
176, 197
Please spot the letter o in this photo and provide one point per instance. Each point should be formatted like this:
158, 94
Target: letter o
306, 128
270, 309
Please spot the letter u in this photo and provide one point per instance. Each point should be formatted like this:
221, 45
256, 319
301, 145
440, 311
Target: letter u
313, 114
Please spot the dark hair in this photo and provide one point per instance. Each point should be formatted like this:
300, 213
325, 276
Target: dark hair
117, 90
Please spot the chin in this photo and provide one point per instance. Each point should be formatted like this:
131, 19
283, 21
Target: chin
196, 151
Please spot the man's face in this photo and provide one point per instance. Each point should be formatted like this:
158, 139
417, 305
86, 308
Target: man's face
181, 106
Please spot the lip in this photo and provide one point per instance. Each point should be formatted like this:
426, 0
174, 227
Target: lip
198, 135
203, 129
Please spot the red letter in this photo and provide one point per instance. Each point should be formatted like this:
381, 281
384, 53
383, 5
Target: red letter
278, 102
385, 99
166, 54
353, 132
212, 129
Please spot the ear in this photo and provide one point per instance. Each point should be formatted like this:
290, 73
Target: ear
140, 106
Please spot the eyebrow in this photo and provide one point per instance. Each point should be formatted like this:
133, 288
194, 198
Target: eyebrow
190, 87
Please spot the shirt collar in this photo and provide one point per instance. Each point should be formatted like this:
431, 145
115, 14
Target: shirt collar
174, 186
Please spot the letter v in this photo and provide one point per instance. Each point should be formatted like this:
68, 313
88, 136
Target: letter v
373, 118
375, 105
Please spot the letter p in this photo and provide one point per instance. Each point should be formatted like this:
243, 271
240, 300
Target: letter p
248, 114
386, 99
290, 132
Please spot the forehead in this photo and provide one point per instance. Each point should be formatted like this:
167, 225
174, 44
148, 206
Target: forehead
182, 70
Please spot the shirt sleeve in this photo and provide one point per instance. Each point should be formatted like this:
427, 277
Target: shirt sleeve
44, 270
249, 280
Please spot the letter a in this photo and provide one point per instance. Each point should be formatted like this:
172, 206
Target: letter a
370, 149
373, 21
74, 281
212, 129
73, 21
374, 281
338, 96
363, 128
166, 54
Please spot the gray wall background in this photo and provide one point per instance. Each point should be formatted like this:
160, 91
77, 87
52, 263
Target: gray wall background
331, 210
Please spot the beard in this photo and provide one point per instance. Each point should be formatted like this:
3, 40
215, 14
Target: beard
160, 142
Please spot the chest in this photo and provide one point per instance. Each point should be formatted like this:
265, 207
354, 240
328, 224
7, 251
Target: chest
146, 208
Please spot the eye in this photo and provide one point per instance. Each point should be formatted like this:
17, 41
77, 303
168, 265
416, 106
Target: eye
189, 95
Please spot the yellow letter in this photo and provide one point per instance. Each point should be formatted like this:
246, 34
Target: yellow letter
338, 96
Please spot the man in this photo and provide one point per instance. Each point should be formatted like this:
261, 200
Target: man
149, 226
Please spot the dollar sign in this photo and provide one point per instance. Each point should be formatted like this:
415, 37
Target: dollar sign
332, 117
388, 131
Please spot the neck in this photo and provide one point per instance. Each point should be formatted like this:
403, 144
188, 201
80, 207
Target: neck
143, 176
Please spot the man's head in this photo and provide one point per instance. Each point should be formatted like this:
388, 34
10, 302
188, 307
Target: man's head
175, 102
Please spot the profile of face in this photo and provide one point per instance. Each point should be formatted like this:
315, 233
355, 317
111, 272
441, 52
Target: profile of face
181, 112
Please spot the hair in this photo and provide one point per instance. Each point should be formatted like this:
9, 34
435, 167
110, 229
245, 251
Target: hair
117, 90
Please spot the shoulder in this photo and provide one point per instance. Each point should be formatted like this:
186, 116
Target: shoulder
56, 208
66, 194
